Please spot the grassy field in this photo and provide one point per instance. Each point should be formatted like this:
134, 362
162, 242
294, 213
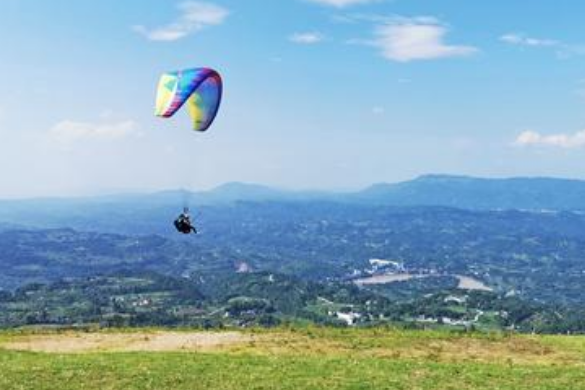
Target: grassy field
311, 358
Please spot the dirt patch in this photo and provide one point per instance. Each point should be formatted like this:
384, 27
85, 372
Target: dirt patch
128, 342
386, 279
467, 283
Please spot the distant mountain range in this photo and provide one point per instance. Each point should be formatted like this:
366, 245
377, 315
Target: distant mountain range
479, 194
522, 237
430, 190
142, 213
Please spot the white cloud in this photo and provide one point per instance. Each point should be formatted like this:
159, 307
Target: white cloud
68, 132
411, 39
194, 16
521, 40
307, 38
341, 3
562, 49
567, 141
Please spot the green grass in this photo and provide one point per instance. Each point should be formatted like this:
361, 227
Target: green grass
315, 358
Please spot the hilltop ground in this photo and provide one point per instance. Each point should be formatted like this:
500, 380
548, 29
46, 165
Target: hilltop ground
311, 358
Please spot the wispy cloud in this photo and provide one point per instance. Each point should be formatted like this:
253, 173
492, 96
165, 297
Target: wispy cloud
68, 132
412, 39
562, 49
194, 16
521, 40
567, 141
341, 3
307, 38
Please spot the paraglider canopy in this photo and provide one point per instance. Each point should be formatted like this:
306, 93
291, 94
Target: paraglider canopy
200, 89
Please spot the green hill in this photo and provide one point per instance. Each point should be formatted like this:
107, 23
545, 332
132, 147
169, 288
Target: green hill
266, 299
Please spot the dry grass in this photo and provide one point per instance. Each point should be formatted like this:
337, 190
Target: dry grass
155, 341
434, 346
289, 359
388, 344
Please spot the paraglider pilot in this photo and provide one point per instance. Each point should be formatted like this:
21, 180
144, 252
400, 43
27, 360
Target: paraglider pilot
183, 223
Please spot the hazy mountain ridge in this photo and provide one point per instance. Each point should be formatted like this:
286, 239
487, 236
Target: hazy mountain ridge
478, 193
429, 190
534, 254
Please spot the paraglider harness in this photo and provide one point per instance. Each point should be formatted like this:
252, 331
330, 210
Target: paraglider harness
183, 223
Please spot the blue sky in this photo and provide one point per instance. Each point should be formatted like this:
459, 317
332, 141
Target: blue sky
330, 94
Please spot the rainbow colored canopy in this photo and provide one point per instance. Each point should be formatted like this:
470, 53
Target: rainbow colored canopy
200, 88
